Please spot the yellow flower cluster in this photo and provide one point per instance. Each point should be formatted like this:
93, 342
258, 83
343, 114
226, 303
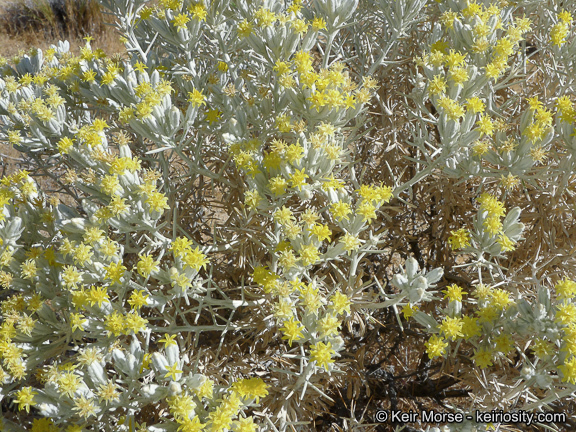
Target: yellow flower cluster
331, 88
495, 211
459, 239
541, 123
560, 30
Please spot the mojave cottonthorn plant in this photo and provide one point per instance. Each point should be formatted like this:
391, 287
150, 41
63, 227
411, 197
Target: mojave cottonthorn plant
287, 216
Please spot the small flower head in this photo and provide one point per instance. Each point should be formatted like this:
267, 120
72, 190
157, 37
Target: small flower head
454, 293
568, 370
452, 328
322, 354
251, 388
25, 398
436, 346
459, 239
292, 330
565, 289
483, 358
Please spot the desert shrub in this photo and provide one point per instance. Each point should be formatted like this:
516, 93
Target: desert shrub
53, 18
288, 216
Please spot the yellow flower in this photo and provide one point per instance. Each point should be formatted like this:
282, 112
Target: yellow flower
505, 243
485, 125
147, 265
495, 68
278, 185
328, 325
408, 310
180, 246
180, 21
504, 344
83, 254
292, 330
322, 354
114, 323
350, 242
85, 407
448, 18
504, 47
566, 313
137, 299
322, 232
436, 346
244, 29
492, 205
25, 398
500, 298
287, 259
168, 340
472, 9
252, 199
542, 348
213, 115
565, 289
265, 17
245, 425
206, 389
340, 210
454, 293
77, 321
318, 23
452, 327
483, 358
134, 323
110, 185
367, 210
294, 153
475, 105
195, 259
29, 269
439, 45
510, 181
71, 277
565, 16
437, 85
281, 67
454, 58
108, 392
339, 303
97, 295
470, 327
283, 215
487, 314
568, 370
451, 108
309, 254
196, 98
64, 145
157, 201
250, 388
298, 178
459, 239
459, 75
309, 217
299, 26
198, 11
115, 271
558, 33
173, 371
89, 75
